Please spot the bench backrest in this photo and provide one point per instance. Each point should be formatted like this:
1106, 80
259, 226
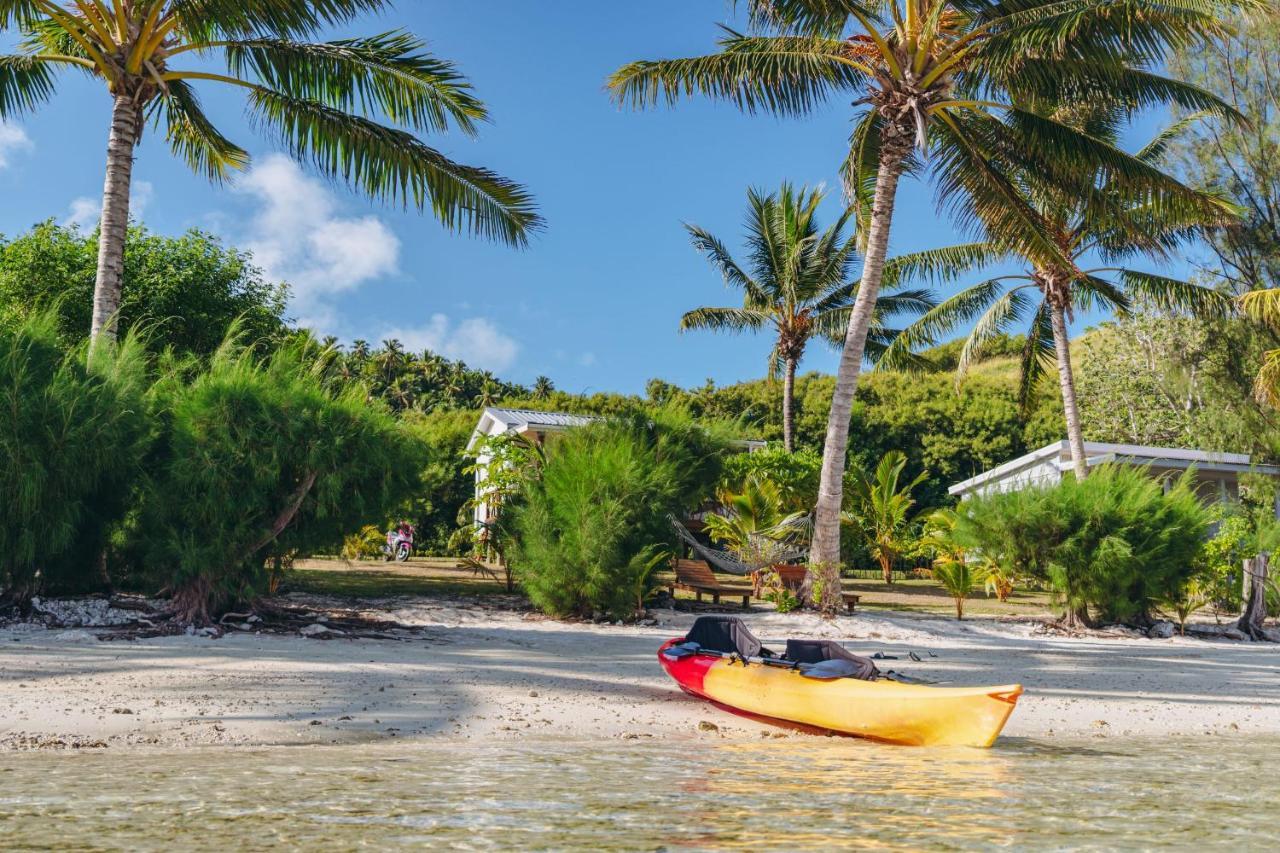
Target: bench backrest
695, 572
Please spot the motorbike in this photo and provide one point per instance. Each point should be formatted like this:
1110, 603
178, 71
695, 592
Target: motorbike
399, 544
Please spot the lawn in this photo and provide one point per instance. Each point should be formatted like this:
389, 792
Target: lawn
447, 577
376, 579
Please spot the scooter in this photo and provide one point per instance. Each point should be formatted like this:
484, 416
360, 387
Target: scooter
399, 543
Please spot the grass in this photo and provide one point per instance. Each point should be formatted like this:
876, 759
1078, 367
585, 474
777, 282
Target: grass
446, 577
376, 579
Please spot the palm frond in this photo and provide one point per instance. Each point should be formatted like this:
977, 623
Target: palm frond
390, 74
394, 165
995, 321
193, 137
1263, 306
929, 329
204, 20
823, 17
724, 319
942, 266
714, 250
25, 83
1094, 293
787, 75
1153, 152
1171, 294
1038, 353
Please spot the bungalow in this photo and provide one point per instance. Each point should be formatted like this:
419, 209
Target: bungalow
1217, 475
535, 427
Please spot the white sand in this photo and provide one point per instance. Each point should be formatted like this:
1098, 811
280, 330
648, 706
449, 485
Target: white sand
480, 675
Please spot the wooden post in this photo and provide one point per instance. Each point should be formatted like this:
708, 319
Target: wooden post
1255, 598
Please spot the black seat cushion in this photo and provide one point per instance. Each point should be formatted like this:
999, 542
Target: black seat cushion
817, 651
726, 634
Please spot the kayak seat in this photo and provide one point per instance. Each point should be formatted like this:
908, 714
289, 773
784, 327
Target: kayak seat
726, 634
817, 651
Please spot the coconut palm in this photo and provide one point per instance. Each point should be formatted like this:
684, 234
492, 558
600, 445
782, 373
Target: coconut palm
326, 102
880, 508
543, 388
795, 283
940, 84
1094, 234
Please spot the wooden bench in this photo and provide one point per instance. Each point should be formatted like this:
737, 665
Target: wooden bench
696, 577
850, 601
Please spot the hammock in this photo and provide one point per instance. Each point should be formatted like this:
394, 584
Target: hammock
726, 562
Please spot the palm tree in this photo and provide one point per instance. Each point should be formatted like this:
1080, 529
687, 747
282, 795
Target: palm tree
325, 101
942, 84
543, 388
880, 508
1106, 225
797, 282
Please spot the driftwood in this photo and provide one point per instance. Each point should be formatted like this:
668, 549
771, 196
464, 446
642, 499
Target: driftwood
1255, 598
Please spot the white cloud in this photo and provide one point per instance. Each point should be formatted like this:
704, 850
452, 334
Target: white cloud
298, 236
587, 359
476, 341
12, 140
85, 211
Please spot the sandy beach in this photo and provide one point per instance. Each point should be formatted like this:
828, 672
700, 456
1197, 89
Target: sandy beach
473, 673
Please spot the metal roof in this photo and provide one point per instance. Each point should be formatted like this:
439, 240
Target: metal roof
1099, 452
515, 418
523, 420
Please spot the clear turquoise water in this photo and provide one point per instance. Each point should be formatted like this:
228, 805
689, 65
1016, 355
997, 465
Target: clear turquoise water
797, 793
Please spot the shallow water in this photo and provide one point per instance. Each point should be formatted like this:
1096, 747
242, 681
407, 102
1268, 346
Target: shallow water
794, 793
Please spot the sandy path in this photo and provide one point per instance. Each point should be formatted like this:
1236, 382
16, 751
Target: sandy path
480, 675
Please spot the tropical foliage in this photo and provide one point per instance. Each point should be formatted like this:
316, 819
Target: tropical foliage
796, 284
261, 462
1068, 230
587, 534
183, 293
1238, 161
960, 579
753, 524
353, 108
73, 435
879, 506
1112, 547
953, 89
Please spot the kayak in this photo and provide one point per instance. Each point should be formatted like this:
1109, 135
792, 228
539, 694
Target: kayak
881, 709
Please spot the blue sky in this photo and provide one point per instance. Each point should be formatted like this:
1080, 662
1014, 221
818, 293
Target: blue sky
594, 301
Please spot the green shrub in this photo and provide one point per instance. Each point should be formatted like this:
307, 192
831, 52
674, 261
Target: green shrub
72, 436
260, 461
441, 505
1112, 546
795, 474
1131, 543
1016, 530
584, 532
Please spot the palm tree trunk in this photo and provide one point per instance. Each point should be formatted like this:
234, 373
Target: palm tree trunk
826, 528
788, 405
1068, 382
115, 217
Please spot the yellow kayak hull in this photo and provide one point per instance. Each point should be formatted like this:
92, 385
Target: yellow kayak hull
884, 710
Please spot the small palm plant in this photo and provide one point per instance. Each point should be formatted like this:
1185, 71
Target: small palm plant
880, 507
796, 283
352, 107
753, 524
959, 578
